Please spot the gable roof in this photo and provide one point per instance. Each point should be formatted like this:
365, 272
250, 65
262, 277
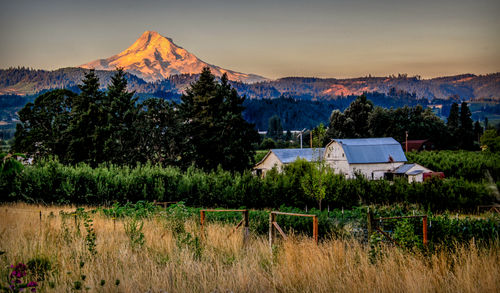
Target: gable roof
290, 155
372, 150
404, 168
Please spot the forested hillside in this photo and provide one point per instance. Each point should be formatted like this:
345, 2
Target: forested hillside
468, 86
299, 102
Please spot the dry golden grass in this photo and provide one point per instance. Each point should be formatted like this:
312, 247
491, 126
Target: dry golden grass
166, 264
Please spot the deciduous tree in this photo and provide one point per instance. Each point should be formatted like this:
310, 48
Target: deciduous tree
44, 124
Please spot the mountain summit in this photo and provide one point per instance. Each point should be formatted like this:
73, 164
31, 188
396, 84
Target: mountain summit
153, 57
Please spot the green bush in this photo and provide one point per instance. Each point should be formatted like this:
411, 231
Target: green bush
51, 182
459, 164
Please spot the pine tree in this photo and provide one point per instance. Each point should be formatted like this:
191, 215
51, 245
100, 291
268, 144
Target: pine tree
87, 119
453, 125
213, 125
478, 131
121, 112
466, 129
275, 129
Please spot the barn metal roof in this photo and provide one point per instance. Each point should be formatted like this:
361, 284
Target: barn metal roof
404, 168
372, 150
289, 155
416, 172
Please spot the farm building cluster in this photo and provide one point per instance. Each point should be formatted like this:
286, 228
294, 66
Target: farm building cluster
374, 158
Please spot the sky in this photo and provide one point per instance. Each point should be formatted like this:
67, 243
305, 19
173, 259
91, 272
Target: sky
272, 38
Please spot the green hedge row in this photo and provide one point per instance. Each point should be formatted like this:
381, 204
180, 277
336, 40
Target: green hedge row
52, 182
459, 164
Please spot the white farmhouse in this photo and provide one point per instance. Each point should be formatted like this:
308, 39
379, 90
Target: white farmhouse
280, 157
371, 157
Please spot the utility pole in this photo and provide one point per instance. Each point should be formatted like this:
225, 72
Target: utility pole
311, 138
301, 134
406, 143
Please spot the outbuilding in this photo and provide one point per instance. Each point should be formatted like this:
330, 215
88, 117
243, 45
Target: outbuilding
414, 172
280, 157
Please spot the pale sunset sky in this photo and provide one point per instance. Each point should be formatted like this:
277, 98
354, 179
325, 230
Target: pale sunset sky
272, 38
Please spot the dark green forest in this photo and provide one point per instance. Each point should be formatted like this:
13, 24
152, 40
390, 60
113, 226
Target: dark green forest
205, 129
298, 102
93, 125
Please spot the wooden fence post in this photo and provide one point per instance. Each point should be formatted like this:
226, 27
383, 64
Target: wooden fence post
272, 218
370, 223
315, 229
202, 222
245, 229
424, 223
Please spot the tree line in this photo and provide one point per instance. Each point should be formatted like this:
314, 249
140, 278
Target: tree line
363, 119
205, 129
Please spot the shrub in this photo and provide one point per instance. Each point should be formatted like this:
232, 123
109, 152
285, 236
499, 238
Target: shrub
51, 182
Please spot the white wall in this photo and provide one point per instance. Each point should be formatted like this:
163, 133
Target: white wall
418, 177
268, 163
335, 158
373, 171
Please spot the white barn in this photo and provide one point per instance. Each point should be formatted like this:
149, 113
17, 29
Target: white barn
371, 157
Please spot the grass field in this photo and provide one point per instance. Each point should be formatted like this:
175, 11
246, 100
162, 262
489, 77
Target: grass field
168, 256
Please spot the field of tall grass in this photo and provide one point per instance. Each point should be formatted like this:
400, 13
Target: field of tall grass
68, 252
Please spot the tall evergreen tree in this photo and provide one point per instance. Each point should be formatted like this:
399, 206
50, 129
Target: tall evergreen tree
453, 125
466, 129
478, 131
121, 113
88, 119
275, 129
216, 132
239, 138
